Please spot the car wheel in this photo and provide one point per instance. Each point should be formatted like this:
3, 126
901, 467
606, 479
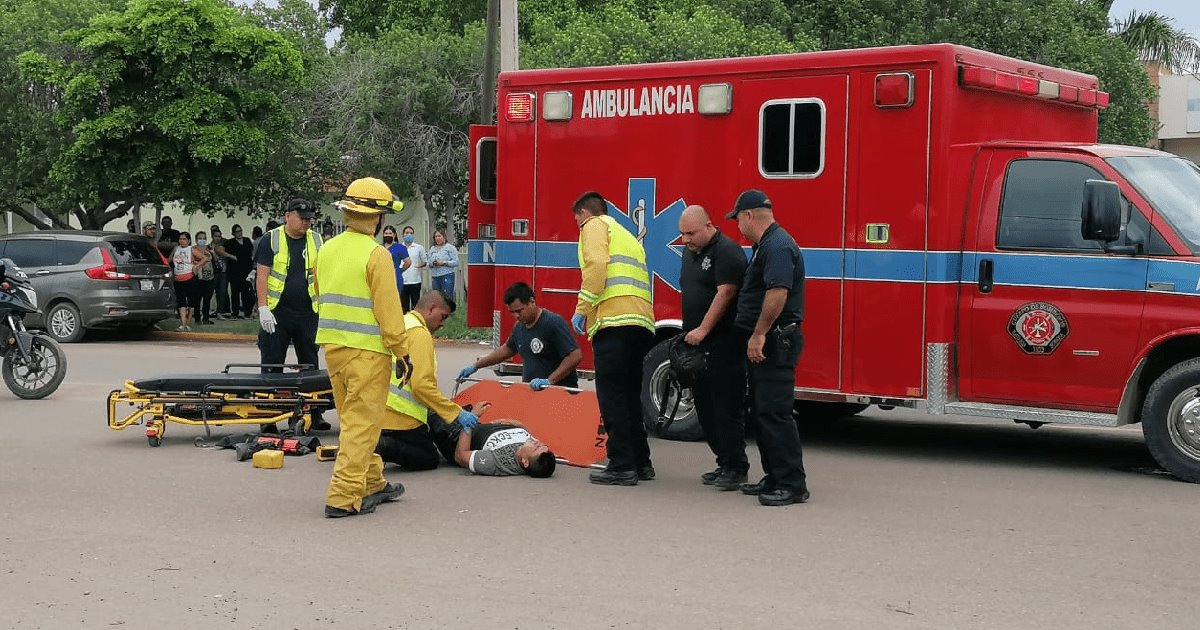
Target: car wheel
1171, 420
686, 425
64, 324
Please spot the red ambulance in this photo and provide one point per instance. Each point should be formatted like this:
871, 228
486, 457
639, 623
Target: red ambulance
970, 249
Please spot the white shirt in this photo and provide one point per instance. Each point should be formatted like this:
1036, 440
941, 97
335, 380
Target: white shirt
416, 253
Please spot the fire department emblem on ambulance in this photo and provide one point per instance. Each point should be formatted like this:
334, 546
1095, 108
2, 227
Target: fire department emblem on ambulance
1038, 327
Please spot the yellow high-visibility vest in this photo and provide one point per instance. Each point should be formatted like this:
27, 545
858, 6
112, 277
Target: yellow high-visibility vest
626, 273
400, 398
346, 315
279, 265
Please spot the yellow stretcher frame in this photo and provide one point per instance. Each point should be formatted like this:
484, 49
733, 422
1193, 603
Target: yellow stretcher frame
209, 408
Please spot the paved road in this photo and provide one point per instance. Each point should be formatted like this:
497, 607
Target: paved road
913, 524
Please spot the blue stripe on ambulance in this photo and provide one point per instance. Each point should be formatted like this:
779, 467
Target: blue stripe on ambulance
1074, 271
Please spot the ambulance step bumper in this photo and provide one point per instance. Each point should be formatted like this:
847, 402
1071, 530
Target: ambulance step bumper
1032, 414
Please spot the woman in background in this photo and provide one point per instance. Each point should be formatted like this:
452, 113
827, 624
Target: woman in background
443, 259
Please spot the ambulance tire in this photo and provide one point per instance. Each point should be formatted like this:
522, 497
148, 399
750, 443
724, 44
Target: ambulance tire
686, 426
1171, 420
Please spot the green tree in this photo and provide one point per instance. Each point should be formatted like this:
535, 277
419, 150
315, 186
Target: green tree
372, 18
398, 108
1154, 38
169, 100
29, 136
1066, 33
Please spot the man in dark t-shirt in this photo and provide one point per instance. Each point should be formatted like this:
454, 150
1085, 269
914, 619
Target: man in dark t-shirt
712, 270
549, 352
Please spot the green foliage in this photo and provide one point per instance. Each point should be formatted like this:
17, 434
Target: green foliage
372, 18
171, 100
29, 136
627, 31
1064, 33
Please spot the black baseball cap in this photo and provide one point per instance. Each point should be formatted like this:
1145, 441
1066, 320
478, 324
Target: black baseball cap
749, 200
305, 208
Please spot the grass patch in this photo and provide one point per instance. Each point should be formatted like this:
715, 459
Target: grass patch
456, 328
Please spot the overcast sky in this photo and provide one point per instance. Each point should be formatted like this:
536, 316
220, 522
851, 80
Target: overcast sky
1186, 13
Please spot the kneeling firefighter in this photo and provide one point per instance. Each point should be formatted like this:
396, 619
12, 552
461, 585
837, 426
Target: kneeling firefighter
361, 327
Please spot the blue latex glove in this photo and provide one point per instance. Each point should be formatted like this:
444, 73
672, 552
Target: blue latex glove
468, 420
578, 322
466, 372
538, 384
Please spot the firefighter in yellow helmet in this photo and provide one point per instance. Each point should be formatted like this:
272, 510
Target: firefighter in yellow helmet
360, 326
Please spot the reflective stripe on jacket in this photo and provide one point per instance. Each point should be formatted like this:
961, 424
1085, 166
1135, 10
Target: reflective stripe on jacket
401, 399
279, 265
625, 276
345, 309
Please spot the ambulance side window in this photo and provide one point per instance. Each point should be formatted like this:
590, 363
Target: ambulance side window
485, 170
791, 138
1040, 207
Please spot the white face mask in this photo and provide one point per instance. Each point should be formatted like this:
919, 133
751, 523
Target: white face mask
202, 242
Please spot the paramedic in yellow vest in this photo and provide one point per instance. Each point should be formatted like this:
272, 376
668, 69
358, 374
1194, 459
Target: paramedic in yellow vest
361, 326
407, 439
287, 300
616, 311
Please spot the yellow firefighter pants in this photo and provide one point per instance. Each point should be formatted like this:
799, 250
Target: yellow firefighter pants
360, 387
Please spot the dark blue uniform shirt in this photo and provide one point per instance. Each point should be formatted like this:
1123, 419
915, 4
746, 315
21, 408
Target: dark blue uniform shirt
776, 262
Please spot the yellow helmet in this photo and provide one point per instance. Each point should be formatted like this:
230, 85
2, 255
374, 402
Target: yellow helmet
369, 195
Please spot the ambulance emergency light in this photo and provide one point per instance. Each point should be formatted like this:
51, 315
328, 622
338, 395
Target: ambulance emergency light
557, 106
1024, 85
519, 107
715, 98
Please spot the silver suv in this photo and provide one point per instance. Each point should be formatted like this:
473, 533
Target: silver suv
87, 279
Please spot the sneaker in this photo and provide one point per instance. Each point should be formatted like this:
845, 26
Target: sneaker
730, 480
709, 477
207, 322
645, 473
319, 425
613, 477
334, 512
181, 328
389, 493
765, 485
782, 496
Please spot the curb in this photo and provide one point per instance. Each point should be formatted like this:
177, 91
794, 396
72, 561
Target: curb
214, 337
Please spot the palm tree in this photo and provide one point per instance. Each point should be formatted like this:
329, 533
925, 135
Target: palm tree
1155, 39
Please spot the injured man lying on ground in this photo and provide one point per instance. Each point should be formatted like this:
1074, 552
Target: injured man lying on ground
498, 448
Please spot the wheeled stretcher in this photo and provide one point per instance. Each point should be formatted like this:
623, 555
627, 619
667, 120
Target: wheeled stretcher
224, 398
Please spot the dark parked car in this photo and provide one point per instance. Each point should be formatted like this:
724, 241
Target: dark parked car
87, 279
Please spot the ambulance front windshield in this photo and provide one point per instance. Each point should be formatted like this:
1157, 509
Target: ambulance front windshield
1172, 186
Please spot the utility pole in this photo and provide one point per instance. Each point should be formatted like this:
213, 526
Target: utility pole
489, 63
509, 58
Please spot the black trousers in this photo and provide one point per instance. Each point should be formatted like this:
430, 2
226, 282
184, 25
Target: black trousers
773, 382
619, 352
290, 330
241, 299
205, 292
411, 449
409, 296
719, 395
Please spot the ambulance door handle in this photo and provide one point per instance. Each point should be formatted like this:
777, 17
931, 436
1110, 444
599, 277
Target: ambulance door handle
985, 275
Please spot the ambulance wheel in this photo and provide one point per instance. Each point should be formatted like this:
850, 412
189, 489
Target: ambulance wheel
1171, 420
686, 426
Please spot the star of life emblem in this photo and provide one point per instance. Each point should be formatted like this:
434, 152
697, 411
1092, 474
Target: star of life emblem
536, 345
706, 264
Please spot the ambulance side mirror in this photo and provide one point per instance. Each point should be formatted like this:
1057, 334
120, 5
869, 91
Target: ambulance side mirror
1101, 216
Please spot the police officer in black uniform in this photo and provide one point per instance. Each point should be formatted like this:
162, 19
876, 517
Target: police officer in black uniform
713, 268
770, 309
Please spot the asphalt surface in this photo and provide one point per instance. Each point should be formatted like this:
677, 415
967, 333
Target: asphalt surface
913, 523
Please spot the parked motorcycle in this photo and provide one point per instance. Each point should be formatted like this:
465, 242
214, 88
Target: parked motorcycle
34, 365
